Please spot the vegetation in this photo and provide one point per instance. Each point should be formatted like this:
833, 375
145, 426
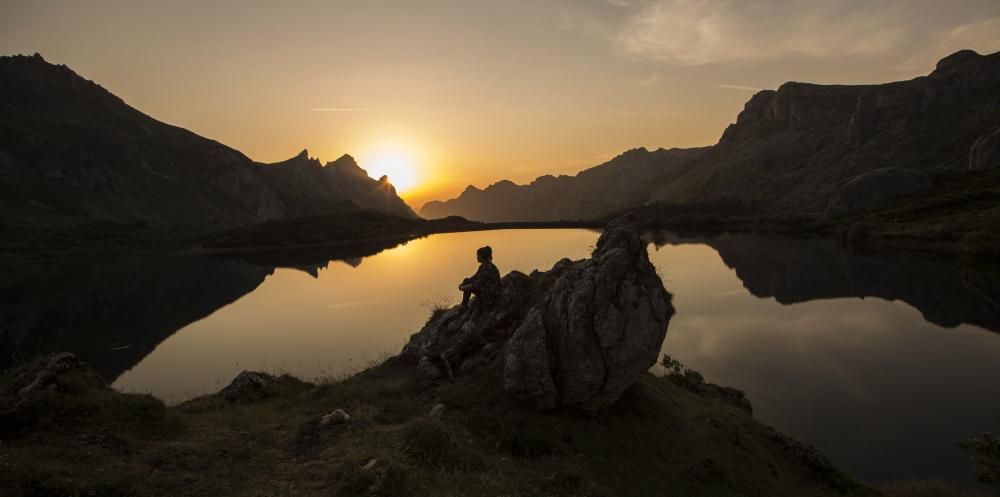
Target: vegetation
660, 439
986, 450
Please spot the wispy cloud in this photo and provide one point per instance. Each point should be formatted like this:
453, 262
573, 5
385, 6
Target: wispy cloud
738, 87
344, 109
981, 35
695, 32
701, 32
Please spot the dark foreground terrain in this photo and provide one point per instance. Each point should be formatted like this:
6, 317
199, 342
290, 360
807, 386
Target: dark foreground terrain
667, 436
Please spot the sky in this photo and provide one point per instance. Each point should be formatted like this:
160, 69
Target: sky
443, 94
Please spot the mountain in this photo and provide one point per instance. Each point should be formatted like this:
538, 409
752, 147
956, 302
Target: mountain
71, 153
804, 147
589, 194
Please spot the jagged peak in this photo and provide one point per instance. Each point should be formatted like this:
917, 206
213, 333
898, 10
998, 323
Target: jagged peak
304, 154
471, 189
504, 183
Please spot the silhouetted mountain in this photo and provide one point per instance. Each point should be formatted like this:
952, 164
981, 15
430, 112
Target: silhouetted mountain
313, 188
72, 152
802, 148
622, 182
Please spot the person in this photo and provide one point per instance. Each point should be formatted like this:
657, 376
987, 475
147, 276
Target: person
485, 284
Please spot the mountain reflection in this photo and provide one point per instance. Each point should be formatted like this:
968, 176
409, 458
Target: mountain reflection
114, 313
947, 292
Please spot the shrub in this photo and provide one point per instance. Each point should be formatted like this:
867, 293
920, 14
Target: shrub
986, 454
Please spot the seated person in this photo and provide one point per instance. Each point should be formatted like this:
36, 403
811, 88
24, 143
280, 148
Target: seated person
485, 284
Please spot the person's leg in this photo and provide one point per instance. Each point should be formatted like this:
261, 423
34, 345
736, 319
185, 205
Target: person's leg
465, 296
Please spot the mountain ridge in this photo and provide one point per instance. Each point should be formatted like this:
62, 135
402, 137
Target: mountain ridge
72, 152
794, 148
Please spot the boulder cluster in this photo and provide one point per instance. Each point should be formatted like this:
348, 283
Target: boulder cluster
577, 335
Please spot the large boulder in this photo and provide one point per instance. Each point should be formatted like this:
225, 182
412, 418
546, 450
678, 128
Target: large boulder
879, 186
595, 330
577, 335
985, 152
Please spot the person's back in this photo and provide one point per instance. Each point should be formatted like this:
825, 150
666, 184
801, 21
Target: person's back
485, 284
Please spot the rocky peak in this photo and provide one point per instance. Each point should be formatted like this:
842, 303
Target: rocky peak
346, 165
958, 57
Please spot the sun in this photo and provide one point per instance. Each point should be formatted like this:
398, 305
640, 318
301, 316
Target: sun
396, 165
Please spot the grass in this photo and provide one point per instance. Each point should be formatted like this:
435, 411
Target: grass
662, 438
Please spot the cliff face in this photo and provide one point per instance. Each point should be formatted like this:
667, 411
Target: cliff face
794, 148
72, 152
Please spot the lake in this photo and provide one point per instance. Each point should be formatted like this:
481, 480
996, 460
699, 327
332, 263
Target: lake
883, 362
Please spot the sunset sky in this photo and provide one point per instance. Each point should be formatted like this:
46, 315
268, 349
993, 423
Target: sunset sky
464, 92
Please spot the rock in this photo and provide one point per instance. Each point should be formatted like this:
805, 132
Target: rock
596, 329
577, 335
427, 369
437, 410
336, 417
60, 373
248, 386
985, 152
878, 186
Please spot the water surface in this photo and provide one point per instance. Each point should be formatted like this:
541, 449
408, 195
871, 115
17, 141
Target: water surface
883, 362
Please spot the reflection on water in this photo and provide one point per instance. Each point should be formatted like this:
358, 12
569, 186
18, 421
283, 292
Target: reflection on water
885, 386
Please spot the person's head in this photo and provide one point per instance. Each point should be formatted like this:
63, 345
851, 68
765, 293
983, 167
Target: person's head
484, 254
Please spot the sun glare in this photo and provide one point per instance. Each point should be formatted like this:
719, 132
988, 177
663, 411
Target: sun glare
397, 166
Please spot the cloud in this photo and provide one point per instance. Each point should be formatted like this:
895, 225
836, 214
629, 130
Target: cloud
701, 32
737, 87
344, 109
695, 32
983, 36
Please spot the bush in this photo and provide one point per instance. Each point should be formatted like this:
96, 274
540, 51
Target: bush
986, 454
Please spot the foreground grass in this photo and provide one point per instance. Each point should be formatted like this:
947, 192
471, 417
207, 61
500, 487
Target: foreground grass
669, 435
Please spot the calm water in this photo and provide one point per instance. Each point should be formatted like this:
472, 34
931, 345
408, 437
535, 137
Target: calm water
882, 362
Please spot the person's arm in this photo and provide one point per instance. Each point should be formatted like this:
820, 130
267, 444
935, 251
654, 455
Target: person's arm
475, 281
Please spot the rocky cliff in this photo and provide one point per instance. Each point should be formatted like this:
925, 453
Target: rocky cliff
71, 152
802, 147
578, 335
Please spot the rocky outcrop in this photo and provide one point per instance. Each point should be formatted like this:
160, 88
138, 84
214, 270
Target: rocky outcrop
577, 336
878, 186
57, 373
985, 152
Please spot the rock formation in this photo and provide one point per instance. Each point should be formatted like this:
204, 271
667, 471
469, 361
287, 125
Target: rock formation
577, 335
985, 152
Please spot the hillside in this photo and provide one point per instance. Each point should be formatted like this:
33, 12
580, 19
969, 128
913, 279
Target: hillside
804, 147
72, 153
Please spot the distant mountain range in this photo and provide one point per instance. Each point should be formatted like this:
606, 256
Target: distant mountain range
71, 152
803, 148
